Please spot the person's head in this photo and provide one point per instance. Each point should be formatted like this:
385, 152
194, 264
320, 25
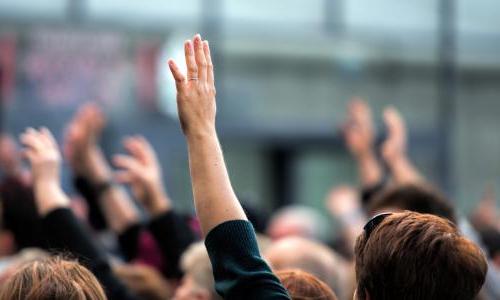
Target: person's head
198, 281
312, 257
418, 198
144, 281
413, 256
11, 264
297, 220
304, 286
53, 278
491, 240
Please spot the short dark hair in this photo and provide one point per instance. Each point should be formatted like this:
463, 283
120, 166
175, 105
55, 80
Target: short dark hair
423, 199
418, 256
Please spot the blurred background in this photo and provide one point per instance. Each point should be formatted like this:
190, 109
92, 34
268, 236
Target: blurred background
285, 70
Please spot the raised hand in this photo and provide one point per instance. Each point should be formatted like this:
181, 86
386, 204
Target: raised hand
358, 130
343, 200
485, 214
196, 89
394, 149
45, 160
359, 135
142, 172
81, 147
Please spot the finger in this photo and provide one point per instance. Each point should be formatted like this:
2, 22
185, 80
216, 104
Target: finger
210, 65
179, 78
361, 112
395, 124
127, 163
124, 177
133, 146
31, 139
48, 137
192, 68
95, 118
200, 58
146, 146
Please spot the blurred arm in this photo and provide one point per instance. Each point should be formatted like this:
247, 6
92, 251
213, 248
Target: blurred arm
62, 229
141, 170
88, 162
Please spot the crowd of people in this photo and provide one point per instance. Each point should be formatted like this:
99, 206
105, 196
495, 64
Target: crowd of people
123, 238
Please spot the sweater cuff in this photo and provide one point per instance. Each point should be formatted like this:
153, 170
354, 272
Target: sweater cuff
236, 237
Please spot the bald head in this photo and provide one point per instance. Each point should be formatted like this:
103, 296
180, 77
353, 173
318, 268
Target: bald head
312, 257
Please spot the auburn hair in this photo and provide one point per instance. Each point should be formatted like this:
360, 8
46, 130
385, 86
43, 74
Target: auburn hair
418, 256
53, 278
304, 286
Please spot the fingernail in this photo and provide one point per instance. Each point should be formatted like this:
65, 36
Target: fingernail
188, 46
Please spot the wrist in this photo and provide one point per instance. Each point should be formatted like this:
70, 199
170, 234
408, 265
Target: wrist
49, 196
97, 166
366, 156
398, 161
158, 201
201, 134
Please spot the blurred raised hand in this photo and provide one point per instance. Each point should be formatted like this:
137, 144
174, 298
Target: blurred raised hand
45, 160
343, 200
81, 147
359, 136
85, 157
344, 204
485, 214
141, 170
394, 149
359, 131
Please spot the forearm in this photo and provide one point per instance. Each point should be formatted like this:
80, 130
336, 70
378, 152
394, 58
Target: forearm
370, 171
115, 204
90, 193
158, 202
118, 209
215, 200
43, 190
404, 172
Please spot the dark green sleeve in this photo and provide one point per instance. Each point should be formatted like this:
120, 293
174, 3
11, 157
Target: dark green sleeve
239, 270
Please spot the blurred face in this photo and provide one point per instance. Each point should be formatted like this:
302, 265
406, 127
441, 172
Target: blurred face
190, 290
